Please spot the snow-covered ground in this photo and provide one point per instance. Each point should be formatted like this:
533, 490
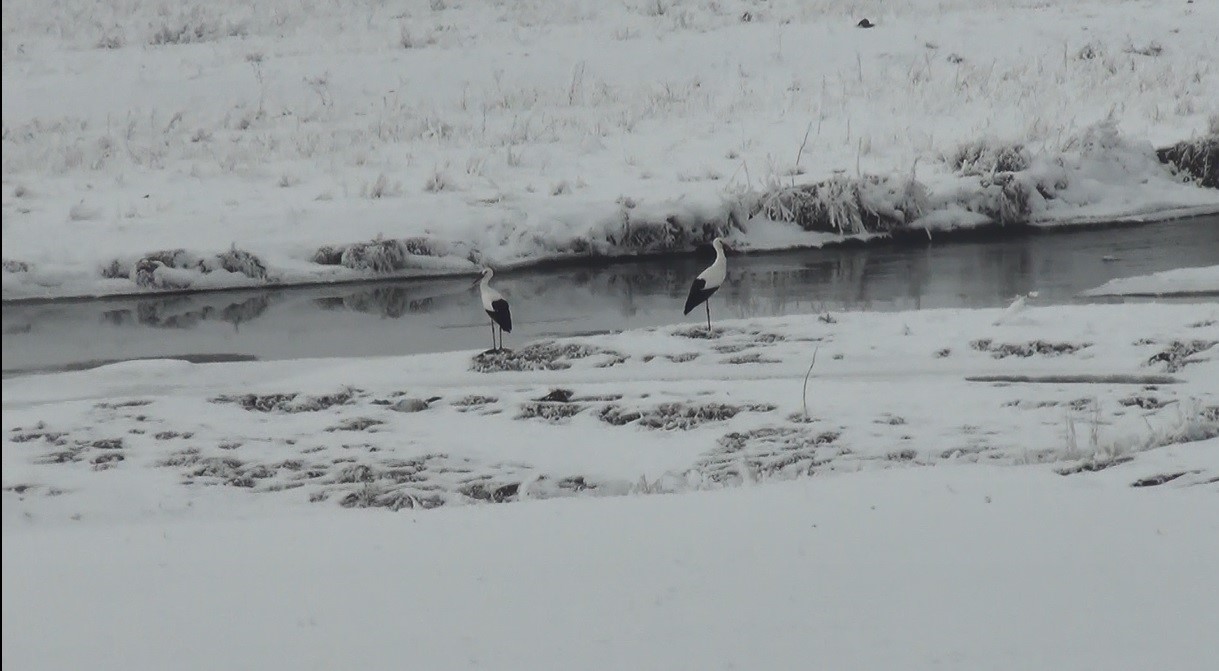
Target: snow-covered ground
1179, 281
663, 409
957, 567
1029, 487
151, 145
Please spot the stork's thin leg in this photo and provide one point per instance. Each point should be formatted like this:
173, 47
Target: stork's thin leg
501, 338
492, 335
708, 304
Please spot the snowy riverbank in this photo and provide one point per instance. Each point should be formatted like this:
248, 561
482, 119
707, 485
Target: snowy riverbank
664, 409
150, 148
1178, 282
1015, 488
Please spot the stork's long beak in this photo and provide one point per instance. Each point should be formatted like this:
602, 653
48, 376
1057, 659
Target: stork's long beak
476, 281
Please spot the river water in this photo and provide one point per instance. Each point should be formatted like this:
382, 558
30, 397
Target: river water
405, 317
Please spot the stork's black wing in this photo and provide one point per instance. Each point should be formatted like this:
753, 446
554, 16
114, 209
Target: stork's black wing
500, 315
698, 293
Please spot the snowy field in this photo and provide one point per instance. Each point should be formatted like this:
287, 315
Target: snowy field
1030, 487
152, 145
957, 567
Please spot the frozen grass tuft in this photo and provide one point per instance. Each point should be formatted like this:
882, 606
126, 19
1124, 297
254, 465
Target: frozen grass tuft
1090, 51
111, 39
767, 453
846, 205
473, 401
380, 256
382, 188
1180, 353
240, 261
197, 24
1196, 160
986, 158
149, 271
546, 355
551, 411
15, 266
1004, 198
438, 181
290, 402
1152, 49
1192, 422
677, 415
643, 233
1027, 349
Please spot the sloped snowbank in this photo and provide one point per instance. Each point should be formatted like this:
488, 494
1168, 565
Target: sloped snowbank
1181, 281
401, 151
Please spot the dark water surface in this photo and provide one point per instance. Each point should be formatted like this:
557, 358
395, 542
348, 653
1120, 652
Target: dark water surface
415, 316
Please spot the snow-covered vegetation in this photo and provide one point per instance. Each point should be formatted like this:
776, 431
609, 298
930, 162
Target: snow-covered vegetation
153, 145
1031, 486
1023, 487
1072, 387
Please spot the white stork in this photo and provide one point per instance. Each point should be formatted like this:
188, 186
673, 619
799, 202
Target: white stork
708, 281
496, 307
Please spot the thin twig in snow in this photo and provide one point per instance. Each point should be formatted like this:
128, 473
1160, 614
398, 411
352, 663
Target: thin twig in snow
800, 152
804, 397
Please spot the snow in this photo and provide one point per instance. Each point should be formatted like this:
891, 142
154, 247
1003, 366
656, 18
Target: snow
958, 493
1166, 283
1011, 488
467, 133
955, 567
640, 410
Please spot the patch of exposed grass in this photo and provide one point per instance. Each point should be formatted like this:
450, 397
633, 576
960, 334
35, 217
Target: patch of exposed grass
676, 415
752, 357
642, 235
701, 333
1178, 354
54, 437
987, 158
1157, 480
375, 495
769, 452
1095, 464
1196, 160
134, 403
289, 402
847, 205
1144, 401
382, 256
144, 270
551, 411
1028, 349
355, 424
474, 400
546, 355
